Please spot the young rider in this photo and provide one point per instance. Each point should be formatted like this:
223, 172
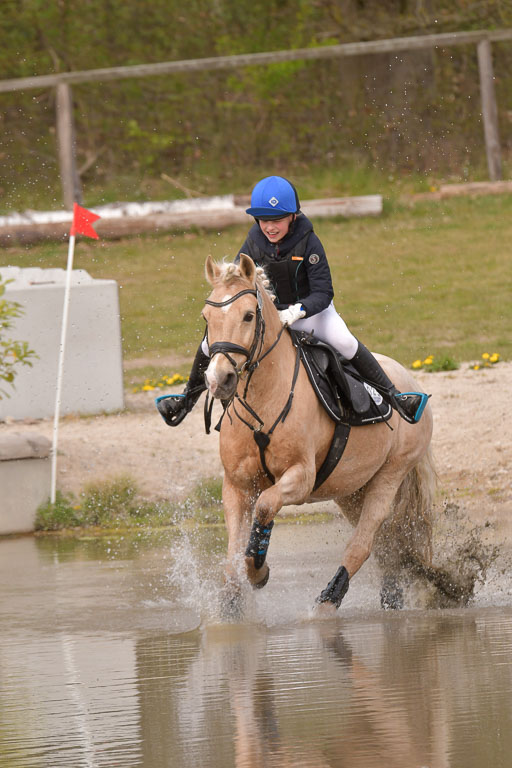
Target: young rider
282, 241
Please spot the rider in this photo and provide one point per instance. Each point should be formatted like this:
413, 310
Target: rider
282, 241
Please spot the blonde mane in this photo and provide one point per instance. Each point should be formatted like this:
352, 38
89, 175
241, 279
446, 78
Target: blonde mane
230, 271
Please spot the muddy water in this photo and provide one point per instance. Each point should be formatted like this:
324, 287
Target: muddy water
112, 653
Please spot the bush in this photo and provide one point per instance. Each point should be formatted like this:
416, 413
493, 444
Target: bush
116, 504
62, 514
435, 364
12, 353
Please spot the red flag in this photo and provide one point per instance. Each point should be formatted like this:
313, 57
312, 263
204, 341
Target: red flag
82, 221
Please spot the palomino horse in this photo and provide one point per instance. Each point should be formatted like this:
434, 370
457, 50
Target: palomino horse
275, 436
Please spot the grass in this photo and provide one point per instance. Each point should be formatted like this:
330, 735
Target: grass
433, 279
116, 504
353, 176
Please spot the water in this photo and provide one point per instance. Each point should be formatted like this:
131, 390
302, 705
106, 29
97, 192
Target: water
112, 653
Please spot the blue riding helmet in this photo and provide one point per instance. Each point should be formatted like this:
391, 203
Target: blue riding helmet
273, 198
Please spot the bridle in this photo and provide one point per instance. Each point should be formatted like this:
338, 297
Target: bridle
225, 347
253, 358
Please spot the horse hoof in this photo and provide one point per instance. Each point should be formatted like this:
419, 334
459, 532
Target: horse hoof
231, 604
325, 610
257, 577
391, 595
260, 584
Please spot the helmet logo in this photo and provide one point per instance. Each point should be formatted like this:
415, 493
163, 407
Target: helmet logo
273, 201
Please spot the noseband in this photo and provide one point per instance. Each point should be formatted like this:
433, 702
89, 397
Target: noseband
225, 347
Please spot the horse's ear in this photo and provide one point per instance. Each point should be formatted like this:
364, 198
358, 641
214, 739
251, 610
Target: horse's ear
247, 267
211, 270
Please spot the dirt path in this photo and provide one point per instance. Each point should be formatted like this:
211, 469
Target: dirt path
472, 445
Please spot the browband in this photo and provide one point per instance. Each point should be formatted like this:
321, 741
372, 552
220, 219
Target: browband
233, 298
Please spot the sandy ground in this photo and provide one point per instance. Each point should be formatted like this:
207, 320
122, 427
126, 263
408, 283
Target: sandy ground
472, 445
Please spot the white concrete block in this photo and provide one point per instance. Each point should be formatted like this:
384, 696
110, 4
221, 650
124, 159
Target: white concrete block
25, 478
93, 375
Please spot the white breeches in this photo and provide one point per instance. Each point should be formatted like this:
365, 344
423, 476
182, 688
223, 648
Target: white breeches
327, 326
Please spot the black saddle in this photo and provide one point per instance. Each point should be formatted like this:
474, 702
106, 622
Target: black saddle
341, 391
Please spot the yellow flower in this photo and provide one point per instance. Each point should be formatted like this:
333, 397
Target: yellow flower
486, 355
476, 367
428, 360
417, 364
494, 357
147, 388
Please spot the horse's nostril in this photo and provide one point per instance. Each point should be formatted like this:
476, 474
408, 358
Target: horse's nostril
231, 380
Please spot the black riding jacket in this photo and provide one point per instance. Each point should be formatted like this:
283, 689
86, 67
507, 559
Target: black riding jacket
296, 266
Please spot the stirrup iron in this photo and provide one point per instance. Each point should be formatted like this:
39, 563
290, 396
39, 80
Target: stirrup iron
410, 405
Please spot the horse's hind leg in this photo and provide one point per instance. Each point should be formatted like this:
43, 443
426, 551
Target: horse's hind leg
378, 498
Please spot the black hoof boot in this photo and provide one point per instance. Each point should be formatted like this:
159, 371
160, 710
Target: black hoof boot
391, 595
336, 589
258, 542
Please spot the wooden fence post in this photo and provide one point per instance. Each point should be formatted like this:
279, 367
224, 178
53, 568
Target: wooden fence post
489, 110
70, 180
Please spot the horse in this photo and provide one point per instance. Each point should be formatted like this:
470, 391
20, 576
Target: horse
275, 435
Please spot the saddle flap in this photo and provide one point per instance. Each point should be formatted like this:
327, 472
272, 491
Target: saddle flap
338, 385
359, 396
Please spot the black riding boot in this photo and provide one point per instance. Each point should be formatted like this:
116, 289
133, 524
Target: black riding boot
174, 408
410, 405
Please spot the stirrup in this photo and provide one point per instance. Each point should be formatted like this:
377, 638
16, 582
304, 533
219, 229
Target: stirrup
410, 405
173, 408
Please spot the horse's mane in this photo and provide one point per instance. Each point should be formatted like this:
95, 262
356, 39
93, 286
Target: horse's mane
230, 271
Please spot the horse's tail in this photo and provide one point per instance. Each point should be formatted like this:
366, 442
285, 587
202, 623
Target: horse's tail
406, 536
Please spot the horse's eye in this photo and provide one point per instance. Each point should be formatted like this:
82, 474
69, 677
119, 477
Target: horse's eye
248, 317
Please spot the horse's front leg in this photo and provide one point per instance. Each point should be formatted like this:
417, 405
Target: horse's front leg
293, 487
238, 507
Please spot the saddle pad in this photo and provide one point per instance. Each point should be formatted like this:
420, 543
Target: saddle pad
346, 398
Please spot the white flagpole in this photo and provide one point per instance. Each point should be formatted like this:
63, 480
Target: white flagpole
60, 370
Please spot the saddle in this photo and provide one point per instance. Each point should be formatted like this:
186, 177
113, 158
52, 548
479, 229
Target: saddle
339, 387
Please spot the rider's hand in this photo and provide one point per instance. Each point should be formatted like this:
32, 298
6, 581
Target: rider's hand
293, 313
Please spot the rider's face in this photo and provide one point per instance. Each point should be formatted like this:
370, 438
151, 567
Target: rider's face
276, 229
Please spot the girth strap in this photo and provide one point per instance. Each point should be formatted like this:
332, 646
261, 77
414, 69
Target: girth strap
338, 445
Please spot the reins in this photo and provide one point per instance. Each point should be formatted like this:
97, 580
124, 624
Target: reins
253, 359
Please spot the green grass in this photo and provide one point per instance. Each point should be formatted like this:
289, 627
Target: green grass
433, 279
352, 177
115, 504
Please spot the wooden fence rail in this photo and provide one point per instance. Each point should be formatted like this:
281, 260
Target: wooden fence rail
63, 80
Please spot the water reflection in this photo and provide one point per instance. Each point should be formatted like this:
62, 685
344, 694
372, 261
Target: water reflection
96, 669
425, 691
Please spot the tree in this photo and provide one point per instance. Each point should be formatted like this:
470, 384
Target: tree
12, 353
